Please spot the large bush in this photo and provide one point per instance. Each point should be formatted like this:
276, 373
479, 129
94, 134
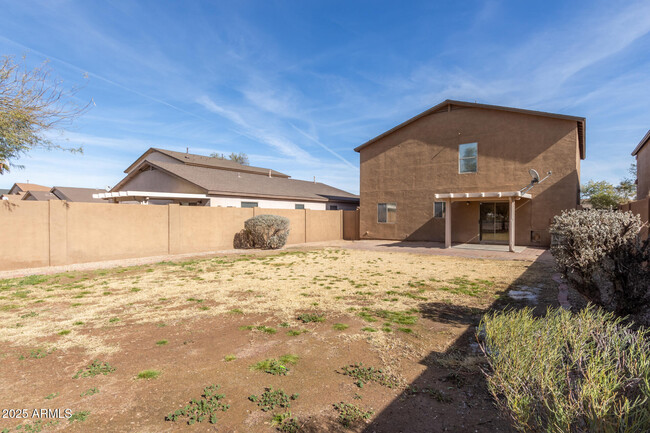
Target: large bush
601, 256
263, 231
568, 373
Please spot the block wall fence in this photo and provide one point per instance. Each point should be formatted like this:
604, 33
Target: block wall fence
37, 234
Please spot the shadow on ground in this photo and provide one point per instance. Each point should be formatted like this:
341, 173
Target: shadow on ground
451, 395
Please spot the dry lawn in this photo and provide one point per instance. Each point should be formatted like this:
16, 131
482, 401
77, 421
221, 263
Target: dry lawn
399, 308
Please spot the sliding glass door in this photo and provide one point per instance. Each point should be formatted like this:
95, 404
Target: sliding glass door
493, 222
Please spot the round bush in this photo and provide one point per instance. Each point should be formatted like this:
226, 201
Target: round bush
263, 231
601, 256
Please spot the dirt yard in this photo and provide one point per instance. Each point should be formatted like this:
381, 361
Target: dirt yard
389, 334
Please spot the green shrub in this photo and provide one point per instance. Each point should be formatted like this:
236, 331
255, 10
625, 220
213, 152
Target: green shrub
204, 408
268, 232
601, 256
351, 414
568, 373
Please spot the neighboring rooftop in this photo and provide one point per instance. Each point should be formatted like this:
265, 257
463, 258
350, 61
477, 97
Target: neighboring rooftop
24, 187
39, 196
209, 162
642, 143
449, 105
232, 183
84, 195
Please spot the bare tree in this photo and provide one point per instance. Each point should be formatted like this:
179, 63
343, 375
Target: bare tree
32, 103
239, 158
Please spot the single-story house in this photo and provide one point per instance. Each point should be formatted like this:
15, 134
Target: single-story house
642, 154
461, 172
71, 194
162, 176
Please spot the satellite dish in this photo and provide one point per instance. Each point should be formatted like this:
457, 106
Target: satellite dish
534, 175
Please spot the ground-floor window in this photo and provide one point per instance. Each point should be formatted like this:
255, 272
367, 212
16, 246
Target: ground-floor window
334, 207
386, 212
249, 204
439, 209
300, 206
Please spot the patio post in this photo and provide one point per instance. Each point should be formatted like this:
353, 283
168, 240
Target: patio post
448, 223
511, 225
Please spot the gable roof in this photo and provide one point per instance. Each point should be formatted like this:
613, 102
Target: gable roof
207, 161
84, 195
40, 195
643, 141
449, 103
24, 187
232, 183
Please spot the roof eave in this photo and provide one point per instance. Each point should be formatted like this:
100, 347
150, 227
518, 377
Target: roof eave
642, 143
580, 120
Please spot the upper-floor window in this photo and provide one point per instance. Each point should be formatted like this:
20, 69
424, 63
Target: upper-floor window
249, 204
386, 212
468, 158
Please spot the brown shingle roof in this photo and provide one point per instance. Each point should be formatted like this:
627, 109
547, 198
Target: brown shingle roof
77, 194
39, 195
24, 187
223, 182
451, 103
208, 161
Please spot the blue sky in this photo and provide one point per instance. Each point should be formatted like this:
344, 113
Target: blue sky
297, 85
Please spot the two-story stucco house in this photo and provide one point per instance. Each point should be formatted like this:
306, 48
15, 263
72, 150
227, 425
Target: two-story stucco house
458, 173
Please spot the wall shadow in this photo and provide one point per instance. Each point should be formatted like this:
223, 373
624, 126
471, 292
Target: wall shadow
451, 395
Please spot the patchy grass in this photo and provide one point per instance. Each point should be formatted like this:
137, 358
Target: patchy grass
80, 416
161, 342
351, 414
415, 305
149, 374
276, 367
202, 409
89, 392
94, 369
364, 375
261, 328
310, 317
270, 399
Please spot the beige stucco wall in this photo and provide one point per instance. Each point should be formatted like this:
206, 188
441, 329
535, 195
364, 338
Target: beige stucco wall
419, 160
57, 232
210, 229
105, 232
643, 172
25, 234
297, 220
323, 226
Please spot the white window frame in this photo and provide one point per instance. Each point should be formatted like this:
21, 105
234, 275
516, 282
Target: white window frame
460, 158
387, 204
444, 209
